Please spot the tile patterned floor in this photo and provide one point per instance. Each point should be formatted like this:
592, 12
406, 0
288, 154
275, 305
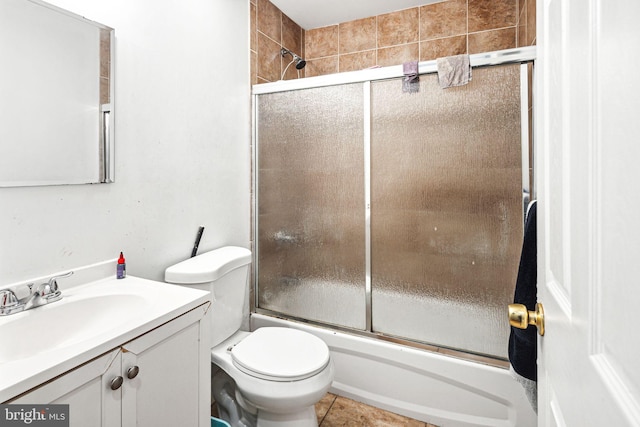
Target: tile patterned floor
334, 411
338, 411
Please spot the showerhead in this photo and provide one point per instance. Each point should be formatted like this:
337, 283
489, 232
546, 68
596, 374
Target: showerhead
300, 63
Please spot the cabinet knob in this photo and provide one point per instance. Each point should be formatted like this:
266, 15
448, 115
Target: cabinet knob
132, 372
116, 383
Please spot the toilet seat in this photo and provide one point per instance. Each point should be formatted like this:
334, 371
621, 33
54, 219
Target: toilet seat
280, 354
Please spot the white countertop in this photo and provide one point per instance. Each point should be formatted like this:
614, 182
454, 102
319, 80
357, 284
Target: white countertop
99, 316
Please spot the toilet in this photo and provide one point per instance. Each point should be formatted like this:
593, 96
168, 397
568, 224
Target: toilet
270, 377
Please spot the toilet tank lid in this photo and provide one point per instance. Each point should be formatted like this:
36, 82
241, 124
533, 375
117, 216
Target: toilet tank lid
208, 266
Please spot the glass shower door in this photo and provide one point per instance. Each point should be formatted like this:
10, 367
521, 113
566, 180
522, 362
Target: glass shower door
310, 201
446, 209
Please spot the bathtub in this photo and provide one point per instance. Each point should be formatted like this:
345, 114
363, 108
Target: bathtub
427, 386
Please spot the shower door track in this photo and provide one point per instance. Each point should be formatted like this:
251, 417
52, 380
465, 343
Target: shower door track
500, 57
461, 354
521, 55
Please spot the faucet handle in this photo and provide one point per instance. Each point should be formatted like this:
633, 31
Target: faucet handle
44, 290
9, 302
49, 290
52, 284
8, 299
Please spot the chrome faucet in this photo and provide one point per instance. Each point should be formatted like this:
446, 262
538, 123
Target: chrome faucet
43, 294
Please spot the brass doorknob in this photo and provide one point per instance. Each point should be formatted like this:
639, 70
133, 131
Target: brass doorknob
520, 317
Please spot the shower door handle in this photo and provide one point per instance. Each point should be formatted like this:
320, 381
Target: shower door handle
521, 318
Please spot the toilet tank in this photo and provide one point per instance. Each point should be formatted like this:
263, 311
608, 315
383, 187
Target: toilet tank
223, 272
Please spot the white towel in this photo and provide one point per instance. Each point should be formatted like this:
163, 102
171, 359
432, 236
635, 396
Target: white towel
530, 388
454, 71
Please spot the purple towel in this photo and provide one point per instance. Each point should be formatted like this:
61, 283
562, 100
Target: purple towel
410, 81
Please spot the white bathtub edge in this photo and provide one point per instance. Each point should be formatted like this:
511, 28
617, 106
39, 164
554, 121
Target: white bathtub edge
482, 395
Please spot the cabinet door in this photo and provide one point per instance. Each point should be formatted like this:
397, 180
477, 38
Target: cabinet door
166, 389
86, 390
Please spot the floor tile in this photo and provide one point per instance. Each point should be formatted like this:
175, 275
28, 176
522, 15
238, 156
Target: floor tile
334, 411
324, 405
349, 413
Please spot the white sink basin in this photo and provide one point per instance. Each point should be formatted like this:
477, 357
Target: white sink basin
90, 320
66, 322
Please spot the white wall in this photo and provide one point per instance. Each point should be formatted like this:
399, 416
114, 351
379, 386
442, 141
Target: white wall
182, 148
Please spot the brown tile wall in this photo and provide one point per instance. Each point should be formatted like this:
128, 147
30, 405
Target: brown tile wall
526, 22
272, 30
422, 33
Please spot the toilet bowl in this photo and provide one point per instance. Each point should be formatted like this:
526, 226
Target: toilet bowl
279, 373
276, 374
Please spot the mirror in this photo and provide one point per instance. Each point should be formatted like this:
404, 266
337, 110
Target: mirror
56, 103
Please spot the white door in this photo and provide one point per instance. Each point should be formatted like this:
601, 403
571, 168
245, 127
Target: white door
588, 136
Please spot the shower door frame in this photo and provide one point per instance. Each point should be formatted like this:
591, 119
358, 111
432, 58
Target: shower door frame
523, 56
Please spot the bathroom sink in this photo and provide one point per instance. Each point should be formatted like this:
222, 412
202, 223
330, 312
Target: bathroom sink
93, 318
66, 322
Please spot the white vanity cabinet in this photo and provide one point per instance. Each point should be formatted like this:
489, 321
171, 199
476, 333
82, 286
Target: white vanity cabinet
160, 378
85, 390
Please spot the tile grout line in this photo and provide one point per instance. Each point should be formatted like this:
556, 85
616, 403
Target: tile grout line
328, 409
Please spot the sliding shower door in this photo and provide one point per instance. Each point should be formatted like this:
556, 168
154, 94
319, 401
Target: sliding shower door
399, 214
311, 234
446, 209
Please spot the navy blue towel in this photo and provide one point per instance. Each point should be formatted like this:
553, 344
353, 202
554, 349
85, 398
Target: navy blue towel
523, 342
